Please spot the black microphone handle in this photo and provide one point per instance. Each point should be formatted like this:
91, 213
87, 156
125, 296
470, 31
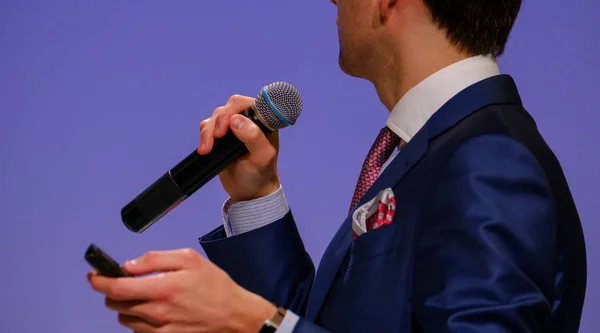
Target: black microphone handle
184, 179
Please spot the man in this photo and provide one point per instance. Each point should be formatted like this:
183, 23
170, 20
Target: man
482, 234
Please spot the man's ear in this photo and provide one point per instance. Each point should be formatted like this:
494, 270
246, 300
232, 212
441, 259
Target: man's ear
385, 9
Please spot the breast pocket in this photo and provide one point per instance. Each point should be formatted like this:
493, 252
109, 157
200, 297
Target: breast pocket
374, 243
373, 285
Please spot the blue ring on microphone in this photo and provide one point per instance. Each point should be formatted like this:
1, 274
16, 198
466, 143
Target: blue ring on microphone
279, 115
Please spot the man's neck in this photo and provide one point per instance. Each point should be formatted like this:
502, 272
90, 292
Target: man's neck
404, 70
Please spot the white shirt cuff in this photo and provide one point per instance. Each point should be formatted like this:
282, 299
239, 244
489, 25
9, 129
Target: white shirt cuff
289, 322
245, 216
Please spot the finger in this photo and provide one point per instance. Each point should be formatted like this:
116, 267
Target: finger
137, 324
203, 124
142, 309
129, 288
164, 261
221, 119
218, 125
261, 150
90, 274
236, 104
206, 137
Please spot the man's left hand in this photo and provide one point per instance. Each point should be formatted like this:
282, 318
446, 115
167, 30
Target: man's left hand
188, 294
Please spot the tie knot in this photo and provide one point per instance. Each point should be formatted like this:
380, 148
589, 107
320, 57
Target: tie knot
383, 147
387, 135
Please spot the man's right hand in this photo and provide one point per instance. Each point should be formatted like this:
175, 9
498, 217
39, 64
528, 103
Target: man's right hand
254, 175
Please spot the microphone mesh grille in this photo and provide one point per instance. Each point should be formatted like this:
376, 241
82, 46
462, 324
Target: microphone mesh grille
281, 106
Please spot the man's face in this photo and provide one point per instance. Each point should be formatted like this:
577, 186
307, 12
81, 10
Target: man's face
356, 21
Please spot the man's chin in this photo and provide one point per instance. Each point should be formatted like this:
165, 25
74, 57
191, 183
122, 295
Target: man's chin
345, 67
342, 66
349, 70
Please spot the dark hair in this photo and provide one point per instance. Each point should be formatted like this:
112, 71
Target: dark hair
476, 26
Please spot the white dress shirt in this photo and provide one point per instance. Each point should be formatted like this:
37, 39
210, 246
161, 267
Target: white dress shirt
406, 118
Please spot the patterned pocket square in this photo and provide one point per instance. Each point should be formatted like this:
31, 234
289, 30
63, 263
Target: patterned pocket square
377, 212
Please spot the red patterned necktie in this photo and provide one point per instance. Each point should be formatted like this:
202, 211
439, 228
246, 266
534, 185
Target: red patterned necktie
382, 149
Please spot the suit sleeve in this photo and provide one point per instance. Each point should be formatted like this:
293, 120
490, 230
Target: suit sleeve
486, 249
270, 261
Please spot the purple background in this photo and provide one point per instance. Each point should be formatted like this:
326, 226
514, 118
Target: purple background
99, 98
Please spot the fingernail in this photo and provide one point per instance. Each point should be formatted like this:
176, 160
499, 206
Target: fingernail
131, 263
237, 123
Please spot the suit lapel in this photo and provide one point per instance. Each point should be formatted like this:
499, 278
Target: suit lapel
336, 251
496, 90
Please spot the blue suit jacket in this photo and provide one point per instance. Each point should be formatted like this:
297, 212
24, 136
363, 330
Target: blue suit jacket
486, 237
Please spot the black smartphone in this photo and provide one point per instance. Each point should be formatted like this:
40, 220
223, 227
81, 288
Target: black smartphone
103, 263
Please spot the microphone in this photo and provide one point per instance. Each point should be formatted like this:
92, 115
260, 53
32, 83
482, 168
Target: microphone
278, 105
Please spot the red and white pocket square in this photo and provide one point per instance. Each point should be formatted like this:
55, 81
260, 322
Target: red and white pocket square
375, 213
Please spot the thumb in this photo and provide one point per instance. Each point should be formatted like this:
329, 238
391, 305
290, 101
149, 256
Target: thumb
164, 261
260, 148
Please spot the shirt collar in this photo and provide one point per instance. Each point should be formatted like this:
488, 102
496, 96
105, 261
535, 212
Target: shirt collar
423, 100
